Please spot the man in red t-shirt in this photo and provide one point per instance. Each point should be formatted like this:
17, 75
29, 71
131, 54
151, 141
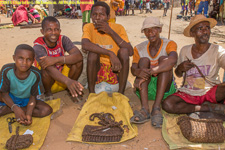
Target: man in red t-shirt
50, 55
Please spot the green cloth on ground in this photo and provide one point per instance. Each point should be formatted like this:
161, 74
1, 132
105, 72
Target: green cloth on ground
152, 87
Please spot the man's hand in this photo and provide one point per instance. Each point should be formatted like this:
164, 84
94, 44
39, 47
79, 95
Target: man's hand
75, 87
138, 82
154, 71
143, 73
102, 27
116, 65
46, 61
20, 115
185, 66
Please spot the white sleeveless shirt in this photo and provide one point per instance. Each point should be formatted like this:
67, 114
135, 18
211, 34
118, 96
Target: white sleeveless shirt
143, 51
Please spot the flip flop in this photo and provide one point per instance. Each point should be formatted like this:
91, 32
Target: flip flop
43, 97
157, 120
142, 118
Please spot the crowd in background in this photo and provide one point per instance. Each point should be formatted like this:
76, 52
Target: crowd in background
209, 8
189, 8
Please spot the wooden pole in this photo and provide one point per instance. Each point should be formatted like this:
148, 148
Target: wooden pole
51, 9
170, 20
222, 12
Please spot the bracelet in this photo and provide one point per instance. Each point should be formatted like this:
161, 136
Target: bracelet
121, 42
64, 58
13, 106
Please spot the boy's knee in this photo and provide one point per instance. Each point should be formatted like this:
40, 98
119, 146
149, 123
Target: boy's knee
92, 57
78, 65
123, 54
45, 111
144, 62
45, 74
1, 111
80, 56
167, 106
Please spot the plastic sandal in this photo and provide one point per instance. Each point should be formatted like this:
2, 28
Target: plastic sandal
141, 117
157, 120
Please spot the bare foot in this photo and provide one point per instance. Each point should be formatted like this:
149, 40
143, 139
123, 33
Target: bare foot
216, 108
206, 115
4, 110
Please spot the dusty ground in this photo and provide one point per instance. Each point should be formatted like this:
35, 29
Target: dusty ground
148, 137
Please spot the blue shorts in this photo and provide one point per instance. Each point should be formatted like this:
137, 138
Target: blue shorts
22, 102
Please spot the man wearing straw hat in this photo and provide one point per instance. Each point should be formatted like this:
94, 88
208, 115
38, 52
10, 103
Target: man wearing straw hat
153, 63
199, 64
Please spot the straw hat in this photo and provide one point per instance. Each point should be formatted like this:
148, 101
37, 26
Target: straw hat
150, 22
197, 19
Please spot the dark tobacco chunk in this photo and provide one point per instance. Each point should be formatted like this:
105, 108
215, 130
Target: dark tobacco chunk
19, 141
110, 131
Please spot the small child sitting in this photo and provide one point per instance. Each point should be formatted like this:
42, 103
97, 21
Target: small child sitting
20, 83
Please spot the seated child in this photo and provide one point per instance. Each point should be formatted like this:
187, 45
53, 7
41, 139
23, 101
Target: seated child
35, 13
20, 83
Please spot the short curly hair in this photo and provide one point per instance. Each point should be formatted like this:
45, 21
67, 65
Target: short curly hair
49, 19
103, 4
24, 47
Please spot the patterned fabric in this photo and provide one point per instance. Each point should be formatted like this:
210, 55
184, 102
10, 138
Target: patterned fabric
35, 13
57, 51
105, 74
